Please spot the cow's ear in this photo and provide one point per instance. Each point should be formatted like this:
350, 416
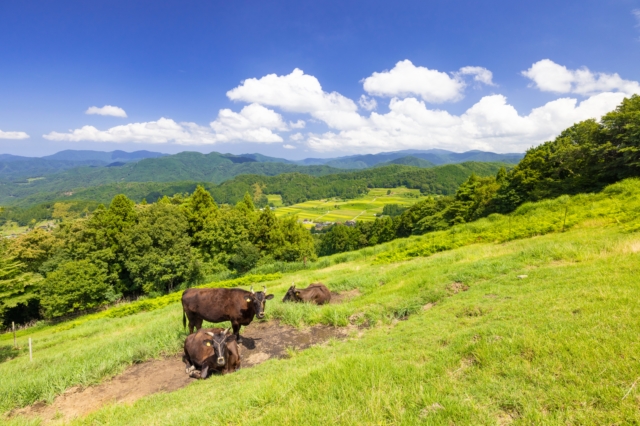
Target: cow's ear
231, 337
269, 297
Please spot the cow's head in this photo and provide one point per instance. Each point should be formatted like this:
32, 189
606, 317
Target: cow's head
219, 343
258, 299
291, 294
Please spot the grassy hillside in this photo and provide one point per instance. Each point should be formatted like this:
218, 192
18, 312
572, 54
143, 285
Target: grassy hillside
557, 345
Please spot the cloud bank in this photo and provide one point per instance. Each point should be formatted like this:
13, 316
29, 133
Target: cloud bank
406, 93
13, 135
551, 77
113, 111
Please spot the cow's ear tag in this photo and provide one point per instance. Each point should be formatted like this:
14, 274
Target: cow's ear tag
248, 300
208, 344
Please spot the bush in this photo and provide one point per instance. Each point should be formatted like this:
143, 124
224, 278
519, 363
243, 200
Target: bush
74, 286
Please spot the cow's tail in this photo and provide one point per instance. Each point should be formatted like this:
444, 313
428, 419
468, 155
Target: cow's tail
184, 319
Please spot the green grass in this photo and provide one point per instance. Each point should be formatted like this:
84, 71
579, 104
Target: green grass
362, 208
559, 346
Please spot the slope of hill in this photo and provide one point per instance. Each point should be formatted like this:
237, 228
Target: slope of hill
497, 329
409, 160
106, 157
13, 167
435, 156
191, 166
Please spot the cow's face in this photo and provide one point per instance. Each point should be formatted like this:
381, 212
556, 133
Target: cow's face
219, 343
259, 299
291, 295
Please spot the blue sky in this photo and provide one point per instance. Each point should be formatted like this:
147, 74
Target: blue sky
219, 76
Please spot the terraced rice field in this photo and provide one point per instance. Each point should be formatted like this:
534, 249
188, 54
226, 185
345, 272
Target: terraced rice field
339, 210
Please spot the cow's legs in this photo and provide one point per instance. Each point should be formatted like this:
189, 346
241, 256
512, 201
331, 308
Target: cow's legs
187, 362
236, 331
197, 323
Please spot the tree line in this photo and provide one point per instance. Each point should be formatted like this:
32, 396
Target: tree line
129, 250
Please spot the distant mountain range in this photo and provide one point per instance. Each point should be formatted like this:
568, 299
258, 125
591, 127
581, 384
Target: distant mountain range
67, 172
434, 156
14, 167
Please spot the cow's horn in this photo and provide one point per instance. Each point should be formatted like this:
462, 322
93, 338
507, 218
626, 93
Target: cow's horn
227, 330
251, 290
209, 333
265, 289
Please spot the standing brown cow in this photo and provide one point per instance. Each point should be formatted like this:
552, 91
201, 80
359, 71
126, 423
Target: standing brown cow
317, 293
210, 349
222, 304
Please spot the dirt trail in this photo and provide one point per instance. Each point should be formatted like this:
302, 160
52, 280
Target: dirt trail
261, 341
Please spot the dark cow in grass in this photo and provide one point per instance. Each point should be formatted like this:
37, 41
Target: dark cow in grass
209, 350
223, 304
316, 293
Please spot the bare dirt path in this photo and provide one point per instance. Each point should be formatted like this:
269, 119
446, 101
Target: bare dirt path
261, 341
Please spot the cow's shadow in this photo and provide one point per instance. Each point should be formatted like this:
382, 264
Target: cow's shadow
249, 342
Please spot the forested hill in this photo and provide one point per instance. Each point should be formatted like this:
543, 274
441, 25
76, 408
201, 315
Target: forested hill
15, 167
186, 166
293, 187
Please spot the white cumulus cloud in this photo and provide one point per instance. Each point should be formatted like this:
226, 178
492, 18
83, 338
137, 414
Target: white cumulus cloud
491, 124
164, 130
287, 146
13, 135
405, 79
254, 123
111, 110
300, 93
367, 103
297, 137
300, 124
480, 74
551, 77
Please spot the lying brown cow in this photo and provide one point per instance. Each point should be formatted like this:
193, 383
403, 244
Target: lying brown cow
317, 293
208, 350
222, 304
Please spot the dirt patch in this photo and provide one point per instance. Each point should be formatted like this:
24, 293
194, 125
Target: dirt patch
261, 341
457, 287
344, 296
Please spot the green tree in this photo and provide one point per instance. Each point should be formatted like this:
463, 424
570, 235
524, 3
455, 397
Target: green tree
157, 252
74, 286
338, 239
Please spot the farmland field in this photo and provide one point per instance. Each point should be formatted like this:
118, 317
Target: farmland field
363, 208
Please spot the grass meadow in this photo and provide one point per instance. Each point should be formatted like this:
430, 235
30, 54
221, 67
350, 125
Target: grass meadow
546, 333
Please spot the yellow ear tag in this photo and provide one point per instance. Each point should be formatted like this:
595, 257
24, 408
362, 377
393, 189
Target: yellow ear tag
248, 300
208, 344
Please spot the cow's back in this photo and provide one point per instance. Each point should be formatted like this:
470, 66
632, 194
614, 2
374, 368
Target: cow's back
214, 304
317, 293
